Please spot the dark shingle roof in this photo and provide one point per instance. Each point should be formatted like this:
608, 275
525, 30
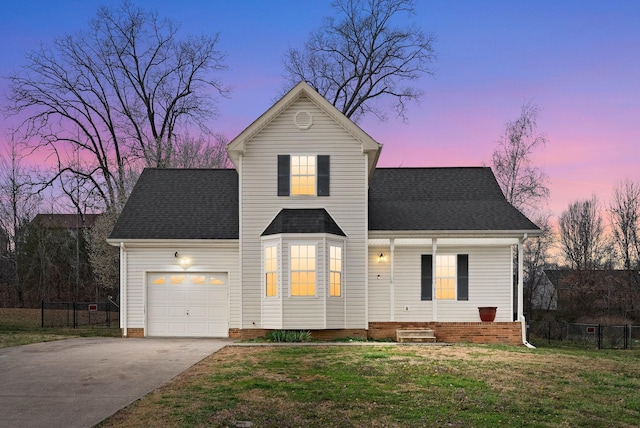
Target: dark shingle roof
441, 199
303, 221
203, 204
181, 204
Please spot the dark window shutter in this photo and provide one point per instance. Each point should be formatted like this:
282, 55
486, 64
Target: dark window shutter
323, 175
284, 166
427, 277
463, 277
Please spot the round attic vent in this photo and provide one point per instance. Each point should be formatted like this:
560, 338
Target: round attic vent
303, 119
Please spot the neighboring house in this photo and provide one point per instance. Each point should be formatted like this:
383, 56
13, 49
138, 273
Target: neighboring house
595, 293
70, 222
306, 233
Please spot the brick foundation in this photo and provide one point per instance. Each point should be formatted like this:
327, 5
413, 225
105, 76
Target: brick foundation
507, 333
247, 333
134, 332
253, 333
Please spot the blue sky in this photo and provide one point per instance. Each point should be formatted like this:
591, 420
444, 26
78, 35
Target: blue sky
578, 60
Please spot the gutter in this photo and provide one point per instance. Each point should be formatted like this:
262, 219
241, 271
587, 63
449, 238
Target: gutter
373, 234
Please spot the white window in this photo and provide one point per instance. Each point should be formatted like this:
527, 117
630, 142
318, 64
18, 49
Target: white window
335, 271
271, 270
445, 277
303, 175
303, 270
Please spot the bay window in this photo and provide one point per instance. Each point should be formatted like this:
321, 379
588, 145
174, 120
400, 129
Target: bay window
303, 270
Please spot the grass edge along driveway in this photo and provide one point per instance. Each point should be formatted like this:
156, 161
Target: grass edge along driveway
397, 386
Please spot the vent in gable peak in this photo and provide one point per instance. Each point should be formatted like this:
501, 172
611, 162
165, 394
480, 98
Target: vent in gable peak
303, 119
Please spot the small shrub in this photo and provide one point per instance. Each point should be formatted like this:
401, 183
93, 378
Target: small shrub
289, 336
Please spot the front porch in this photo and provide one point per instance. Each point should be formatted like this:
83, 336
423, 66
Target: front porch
506, 333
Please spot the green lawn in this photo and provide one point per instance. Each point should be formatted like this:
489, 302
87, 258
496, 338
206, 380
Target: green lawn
379, 385
398, 386
19, 326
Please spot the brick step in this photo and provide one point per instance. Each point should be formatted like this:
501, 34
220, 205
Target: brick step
422, 335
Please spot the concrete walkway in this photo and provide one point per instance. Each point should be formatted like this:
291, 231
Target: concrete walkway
80, 382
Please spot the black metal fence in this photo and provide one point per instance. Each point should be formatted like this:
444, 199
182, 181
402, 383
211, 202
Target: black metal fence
585, 335
75, 314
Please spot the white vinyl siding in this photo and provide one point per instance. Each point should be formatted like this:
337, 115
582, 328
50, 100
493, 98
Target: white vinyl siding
142, 260
490, 270
347, 205
379, 286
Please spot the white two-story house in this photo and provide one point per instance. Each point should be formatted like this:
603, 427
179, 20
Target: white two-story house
305, 233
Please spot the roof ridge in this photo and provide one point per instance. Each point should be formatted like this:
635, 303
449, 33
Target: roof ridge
431, 167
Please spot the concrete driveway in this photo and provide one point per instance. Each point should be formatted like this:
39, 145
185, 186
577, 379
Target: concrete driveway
80, 382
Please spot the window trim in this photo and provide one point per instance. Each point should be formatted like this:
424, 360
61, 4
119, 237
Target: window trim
330, 272
307, 244
297, 178
276, 272
322, 176
440, 276
427, 277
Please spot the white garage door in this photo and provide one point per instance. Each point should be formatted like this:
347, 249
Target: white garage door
187, 304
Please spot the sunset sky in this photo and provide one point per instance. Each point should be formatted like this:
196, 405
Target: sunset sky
578, 60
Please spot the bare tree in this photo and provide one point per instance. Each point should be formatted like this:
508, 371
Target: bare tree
201, 153
624, 213
524, 185
538, 293
104, 258
368, 51
582, 237
18, 203
120, 92
55, 263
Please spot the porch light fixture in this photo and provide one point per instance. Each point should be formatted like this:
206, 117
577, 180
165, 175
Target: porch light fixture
184, 261
382, 258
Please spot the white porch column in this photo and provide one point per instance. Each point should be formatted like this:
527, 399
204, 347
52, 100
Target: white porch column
392, 291
123, 290
434, 300
520, 279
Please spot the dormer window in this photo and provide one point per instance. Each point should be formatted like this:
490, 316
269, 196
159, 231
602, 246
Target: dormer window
300, 175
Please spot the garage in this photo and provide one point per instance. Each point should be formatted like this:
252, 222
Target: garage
187, 304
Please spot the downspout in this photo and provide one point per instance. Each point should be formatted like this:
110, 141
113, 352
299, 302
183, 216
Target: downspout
123, 289
521, 294
366, 246
240, 302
